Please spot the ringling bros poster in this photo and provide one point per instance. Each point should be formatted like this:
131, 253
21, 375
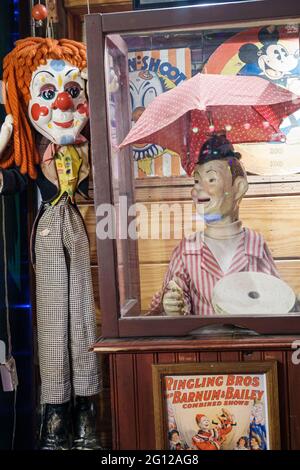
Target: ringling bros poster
150, 74
216, 412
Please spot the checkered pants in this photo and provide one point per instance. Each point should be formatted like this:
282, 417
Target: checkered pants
66, 324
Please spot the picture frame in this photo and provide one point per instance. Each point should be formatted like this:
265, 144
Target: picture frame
216, 406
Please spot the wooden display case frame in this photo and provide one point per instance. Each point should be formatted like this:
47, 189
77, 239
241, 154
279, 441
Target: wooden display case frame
99, 26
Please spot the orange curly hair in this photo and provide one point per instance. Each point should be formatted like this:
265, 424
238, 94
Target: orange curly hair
18, 67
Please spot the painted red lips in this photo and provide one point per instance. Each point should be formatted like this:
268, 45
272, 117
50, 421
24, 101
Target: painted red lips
65, 125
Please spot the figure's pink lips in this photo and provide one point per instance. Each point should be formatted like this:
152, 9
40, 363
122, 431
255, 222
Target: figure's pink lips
65, 125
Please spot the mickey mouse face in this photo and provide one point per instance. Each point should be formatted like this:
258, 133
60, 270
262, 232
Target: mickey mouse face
276, 61
273, 59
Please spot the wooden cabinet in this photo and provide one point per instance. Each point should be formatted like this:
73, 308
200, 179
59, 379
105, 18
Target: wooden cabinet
76, 9
271, 207
131, 379
131, 271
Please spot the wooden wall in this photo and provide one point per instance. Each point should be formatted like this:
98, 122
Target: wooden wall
131, 383
271, 207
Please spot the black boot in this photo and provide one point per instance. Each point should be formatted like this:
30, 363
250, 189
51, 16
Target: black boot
85, 425
55, 433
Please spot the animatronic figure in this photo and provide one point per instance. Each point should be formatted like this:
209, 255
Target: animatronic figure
224, 247
46, 87
212, 437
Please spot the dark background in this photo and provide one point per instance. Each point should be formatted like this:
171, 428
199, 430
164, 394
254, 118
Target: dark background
14, 24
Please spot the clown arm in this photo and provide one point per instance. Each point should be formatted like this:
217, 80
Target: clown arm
6, 133
11, 181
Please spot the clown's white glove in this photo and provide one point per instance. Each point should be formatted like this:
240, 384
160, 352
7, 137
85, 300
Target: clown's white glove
6, 132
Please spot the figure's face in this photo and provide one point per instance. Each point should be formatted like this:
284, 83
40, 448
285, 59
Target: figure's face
242, 442
258, 412
213, 192
204, 423
175, 438
58, 108
254, 442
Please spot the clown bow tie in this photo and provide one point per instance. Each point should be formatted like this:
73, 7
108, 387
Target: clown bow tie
52, 149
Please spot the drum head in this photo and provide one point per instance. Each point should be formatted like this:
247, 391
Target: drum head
251, 293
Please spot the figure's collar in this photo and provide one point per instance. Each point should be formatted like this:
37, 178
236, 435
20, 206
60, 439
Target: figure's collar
223, 232
52, 149
252, 244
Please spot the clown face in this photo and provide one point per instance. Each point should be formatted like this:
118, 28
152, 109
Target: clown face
204, 424
144, 88
58, 108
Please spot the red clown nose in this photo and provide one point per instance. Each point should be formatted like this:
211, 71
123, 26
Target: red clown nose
63, 102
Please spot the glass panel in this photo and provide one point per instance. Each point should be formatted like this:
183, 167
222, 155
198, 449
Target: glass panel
216, 169
122, 176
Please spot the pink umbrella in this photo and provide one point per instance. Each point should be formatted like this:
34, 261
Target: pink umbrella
249, 108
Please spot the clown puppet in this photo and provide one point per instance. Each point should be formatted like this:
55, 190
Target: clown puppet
47, 109
223, 247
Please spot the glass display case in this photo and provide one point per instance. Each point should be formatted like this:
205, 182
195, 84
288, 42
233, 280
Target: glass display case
195, 146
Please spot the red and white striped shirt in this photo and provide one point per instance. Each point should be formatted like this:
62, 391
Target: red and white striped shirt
195, 269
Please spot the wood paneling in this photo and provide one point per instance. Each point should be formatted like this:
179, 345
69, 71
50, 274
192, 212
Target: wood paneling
293, 365
179, 188
276, 218
152, 276
144, 398
132, 383
187, 357
283, 392
126, 385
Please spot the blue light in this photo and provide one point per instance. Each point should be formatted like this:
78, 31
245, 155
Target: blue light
21, 306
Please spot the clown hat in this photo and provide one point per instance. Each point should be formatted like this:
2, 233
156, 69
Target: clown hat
199, 417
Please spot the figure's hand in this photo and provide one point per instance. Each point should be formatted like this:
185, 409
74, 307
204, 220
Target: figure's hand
173, 300
6, 132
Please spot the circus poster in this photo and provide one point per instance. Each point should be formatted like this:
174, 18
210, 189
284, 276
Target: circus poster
150, 74
216, 406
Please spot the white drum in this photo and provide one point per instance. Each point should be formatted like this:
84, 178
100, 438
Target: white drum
252, 293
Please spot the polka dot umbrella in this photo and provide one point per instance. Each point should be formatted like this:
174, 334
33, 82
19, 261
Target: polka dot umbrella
249, 108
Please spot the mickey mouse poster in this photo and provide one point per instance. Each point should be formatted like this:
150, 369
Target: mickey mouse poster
270, 59
271, 52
